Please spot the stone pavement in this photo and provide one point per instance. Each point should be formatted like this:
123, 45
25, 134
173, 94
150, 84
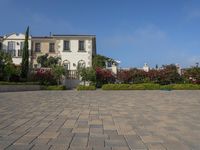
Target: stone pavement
100, 120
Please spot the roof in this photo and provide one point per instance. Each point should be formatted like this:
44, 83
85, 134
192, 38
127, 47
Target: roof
42, 37
57, 35
69, 35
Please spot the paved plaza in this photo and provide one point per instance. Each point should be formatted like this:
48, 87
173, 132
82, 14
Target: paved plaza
100, 120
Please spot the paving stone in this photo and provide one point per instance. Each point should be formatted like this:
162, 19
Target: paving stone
135, 142
156, 147
49, 135
59, 147
20, 147
79, 142
96, 142
102, 120
151, 139
120, 148
42, 147
115, 143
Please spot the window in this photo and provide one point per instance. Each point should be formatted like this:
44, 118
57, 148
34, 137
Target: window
11, 45
66, 64
21, 45
66, 46
51, 47
37, 47
19, 53
109, 64
81, 46
81, 64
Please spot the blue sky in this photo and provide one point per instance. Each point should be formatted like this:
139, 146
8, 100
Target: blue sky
132, 31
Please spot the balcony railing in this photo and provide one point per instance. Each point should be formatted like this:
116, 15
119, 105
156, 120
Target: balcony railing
72, 74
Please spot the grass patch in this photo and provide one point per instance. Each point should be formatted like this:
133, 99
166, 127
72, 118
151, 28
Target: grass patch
54, 87
83, 87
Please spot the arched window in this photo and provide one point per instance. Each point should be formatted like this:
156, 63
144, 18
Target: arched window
66, 64
81, 64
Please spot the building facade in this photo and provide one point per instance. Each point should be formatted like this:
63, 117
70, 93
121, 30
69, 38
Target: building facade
74, 50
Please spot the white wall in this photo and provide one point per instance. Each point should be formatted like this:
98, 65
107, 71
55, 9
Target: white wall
17, 38
74, 56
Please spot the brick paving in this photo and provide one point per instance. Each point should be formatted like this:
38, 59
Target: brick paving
100, 120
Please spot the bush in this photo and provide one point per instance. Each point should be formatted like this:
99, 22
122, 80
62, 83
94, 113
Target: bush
181, 87
82, 87
150, 86
18, 83
192, 75
104, 76
132, 76
88, 74
45, 77
143, 86
55, 87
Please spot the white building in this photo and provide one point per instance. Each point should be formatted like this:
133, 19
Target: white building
13, 44
74, 50
146, 68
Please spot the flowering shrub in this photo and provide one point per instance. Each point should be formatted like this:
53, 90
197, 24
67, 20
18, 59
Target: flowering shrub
167, 75
124, 76
192, 75
45, 77
132, 76
104, 76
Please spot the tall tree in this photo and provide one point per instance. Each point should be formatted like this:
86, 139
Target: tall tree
99, 61
25, 56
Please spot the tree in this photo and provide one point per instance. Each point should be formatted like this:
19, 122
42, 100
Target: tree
88, 74
46, 61
58, 72
52, 61
99, 61
42, 60
25, 56
5, 59
9, 70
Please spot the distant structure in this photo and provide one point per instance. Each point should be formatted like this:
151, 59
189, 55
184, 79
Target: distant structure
179, 69
146, 68
113, 66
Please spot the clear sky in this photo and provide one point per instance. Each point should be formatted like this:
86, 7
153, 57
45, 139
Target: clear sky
132, 31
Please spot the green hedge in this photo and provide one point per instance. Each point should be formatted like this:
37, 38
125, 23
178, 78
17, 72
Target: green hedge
82, 87
143, 86
18, 83
54, 87
180, 87
150, 86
